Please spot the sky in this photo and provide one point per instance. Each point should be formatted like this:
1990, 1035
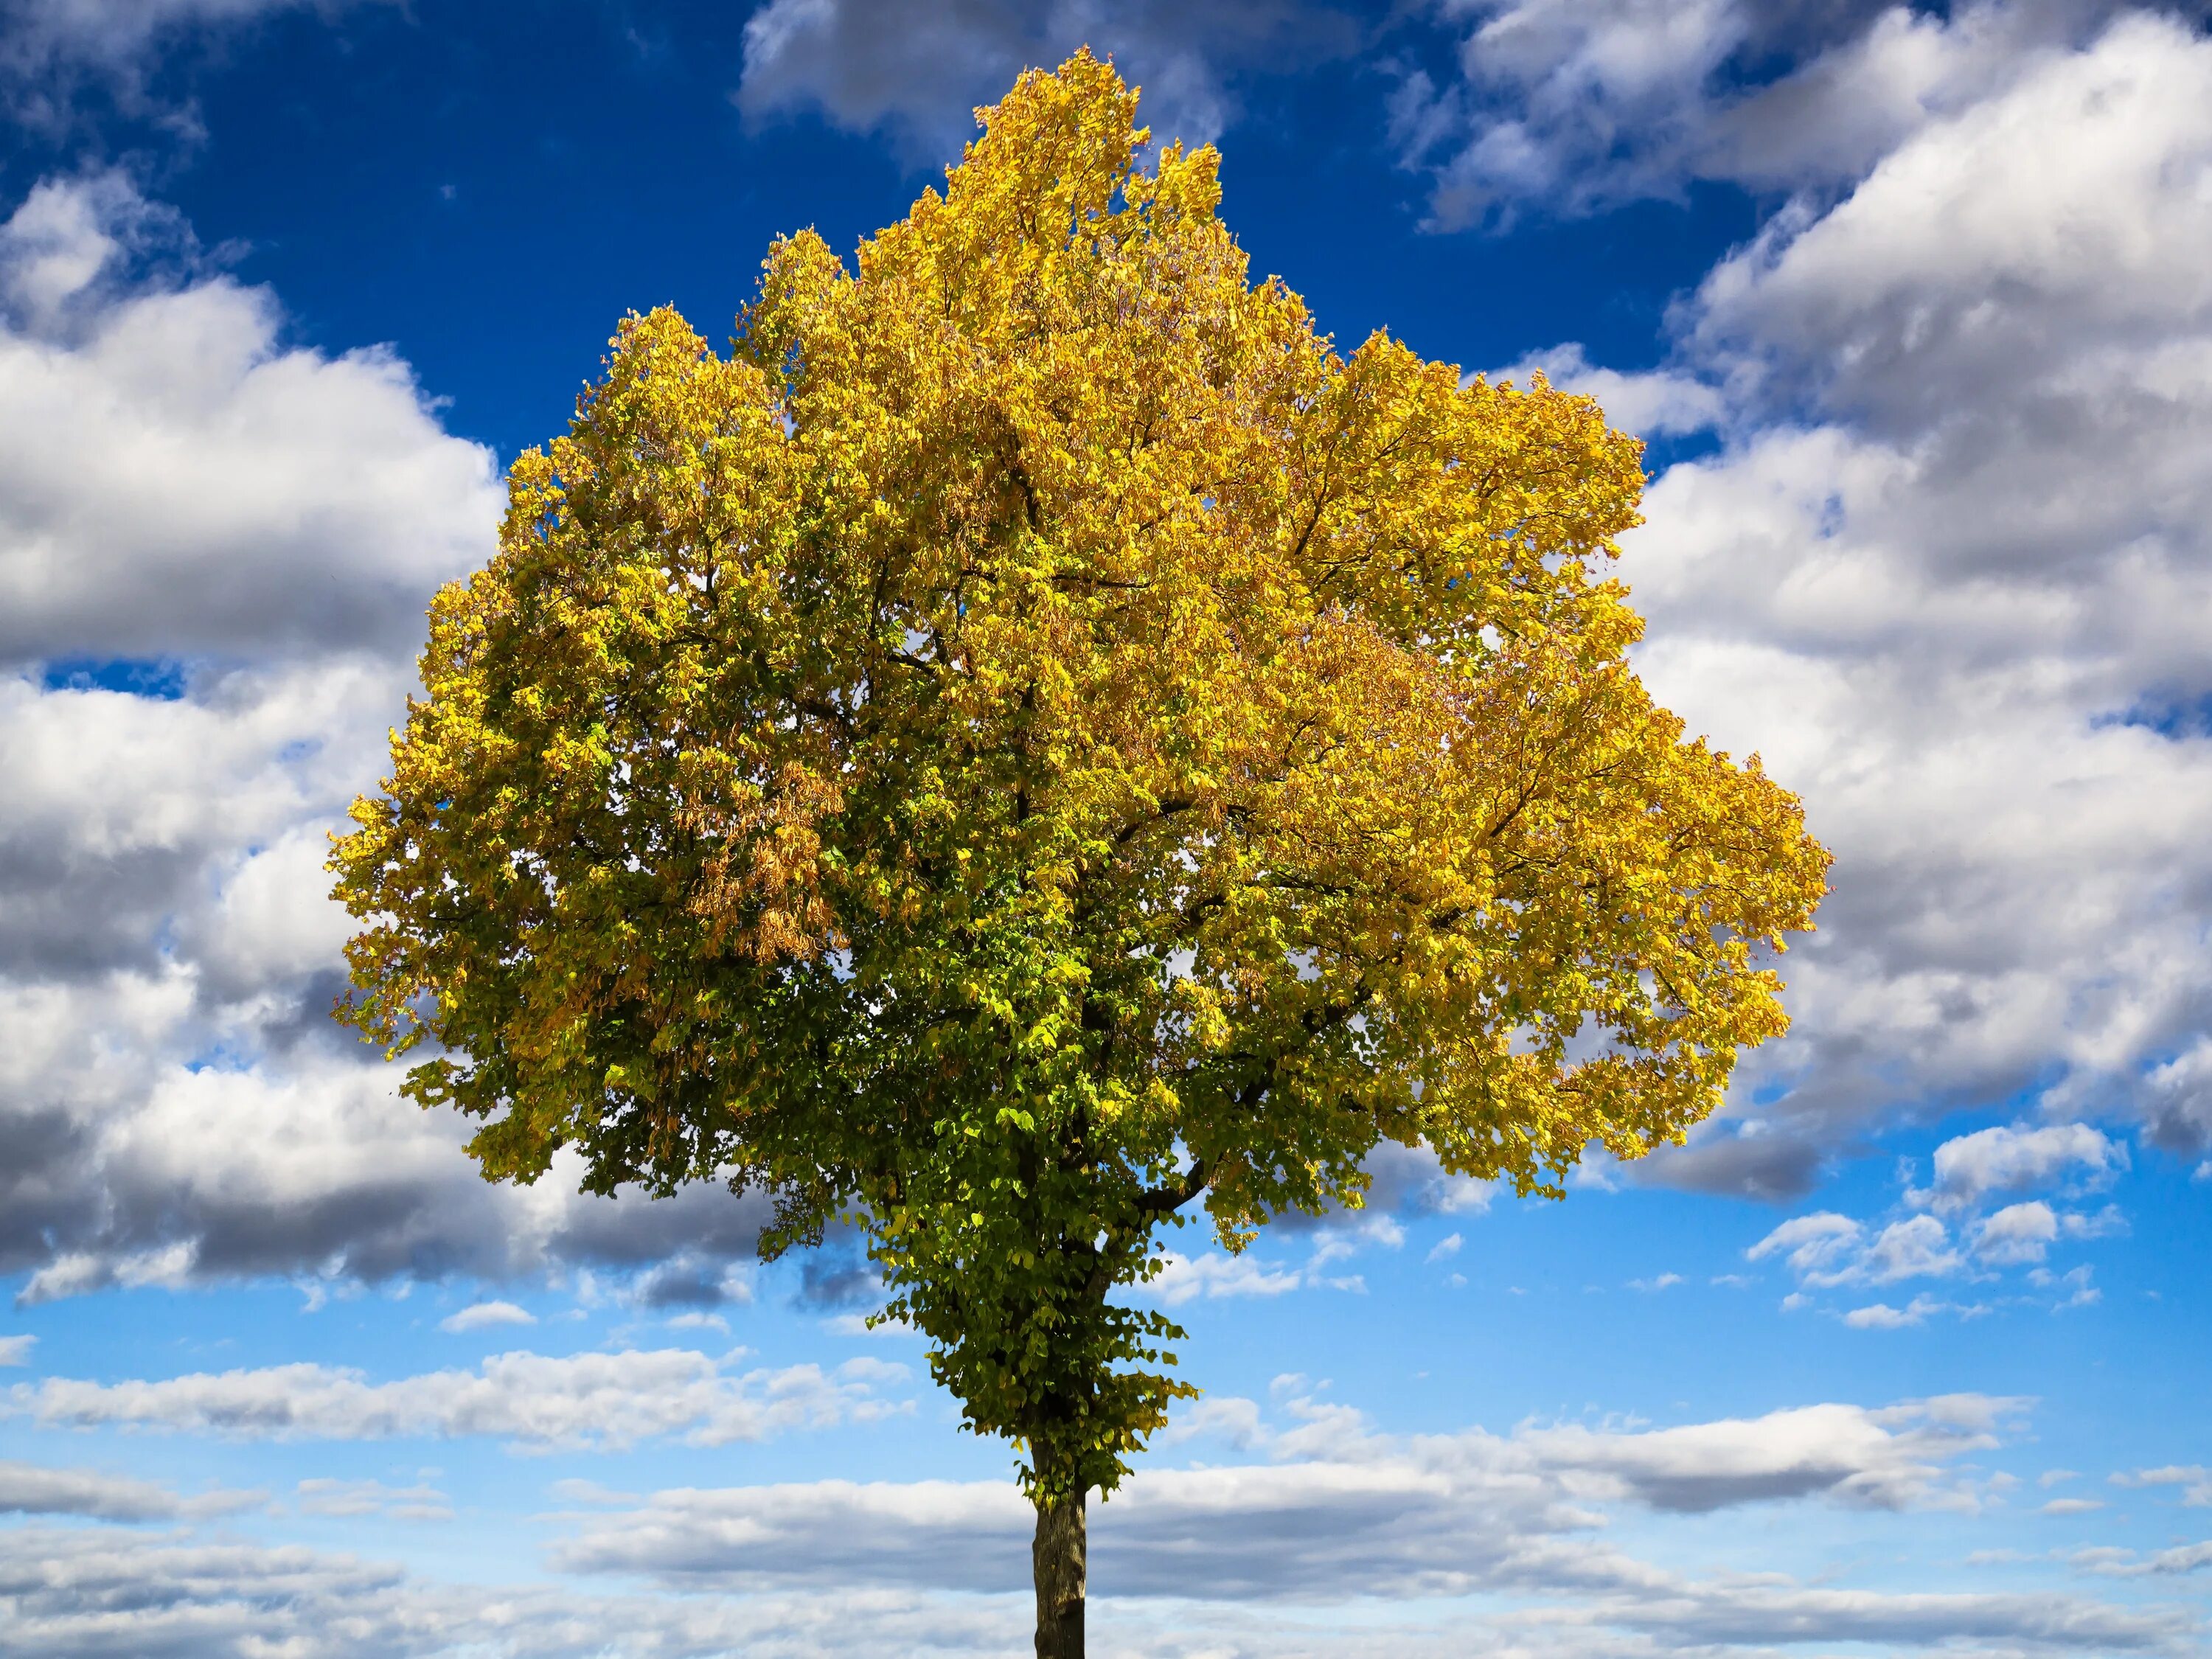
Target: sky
1906, 1352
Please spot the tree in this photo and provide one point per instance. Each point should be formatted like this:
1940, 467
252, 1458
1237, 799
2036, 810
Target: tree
1033, 740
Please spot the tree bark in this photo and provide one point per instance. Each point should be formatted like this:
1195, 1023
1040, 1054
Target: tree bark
1056, 1558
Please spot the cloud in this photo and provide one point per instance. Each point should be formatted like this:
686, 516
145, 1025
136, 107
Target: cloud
1812, 1243
2124, 1564
53, 51
1949, 572
1214, 1274
1880, 1316
66, 1593
2195, 1480
1972, 1168
1246, 1556
1575, 107
178, 481
918, 71
1341, 1515
1334, 1238
1661, 404
1889, 1458
32, 1489
1339, 1509
352, 1500
2016, 1234
477, 1316
16, 1349
591, 1401
215, 552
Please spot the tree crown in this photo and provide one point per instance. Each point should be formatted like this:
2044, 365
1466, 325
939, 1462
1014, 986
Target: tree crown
1033, 735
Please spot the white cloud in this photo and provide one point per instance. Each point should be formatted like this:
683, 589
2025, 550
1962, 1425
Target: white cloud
1812, 1242
587, 1401
2195, 1480
263, 525
1917, 1248
2065, 1506
1447, 1246
477, 1316
176, 481
1659, 403
16, 1349
353, 1499
1949, 573
1213, 1273
1880, 1316
2018, 1233
1973, 1167
1571, 106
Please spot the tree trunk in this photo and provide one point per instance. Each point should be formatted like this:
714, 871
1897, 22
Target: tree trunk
1056, 1558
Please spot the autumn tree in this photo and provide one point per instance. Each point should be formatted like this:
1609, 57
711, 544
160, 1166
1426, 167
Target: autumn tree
1033, 741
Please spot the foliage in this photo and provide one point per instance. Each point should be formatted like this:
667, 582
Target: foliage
1034, 736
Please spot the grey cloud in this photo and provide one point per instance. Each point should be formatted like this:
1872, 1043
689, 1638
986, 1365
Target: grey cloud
59, 58
1341, 1515
918, 71
33, 1489
1773, 1169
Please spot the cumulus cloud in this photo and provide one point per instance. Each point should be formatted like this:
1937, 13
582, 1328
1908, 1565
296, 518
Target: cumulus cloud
1574, 108
1971, 1168
918, 71
594, 1401
1826, 1251
1663, 403
1949, 572
215, 552
176, 481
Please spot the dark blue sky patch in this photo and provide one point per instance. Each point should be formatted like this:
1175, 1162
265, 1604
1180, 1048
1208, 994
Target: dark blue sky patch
161, 677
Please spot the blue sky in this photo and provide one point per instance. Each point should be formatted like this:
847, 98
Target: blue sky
1905, 1352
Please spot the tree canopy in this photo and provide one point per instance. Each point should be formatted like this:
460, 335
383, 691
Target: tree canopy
1034, 738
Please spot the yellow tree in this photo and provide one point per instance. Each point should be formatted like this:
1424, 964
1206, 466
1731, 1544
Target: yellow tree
1034, 740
